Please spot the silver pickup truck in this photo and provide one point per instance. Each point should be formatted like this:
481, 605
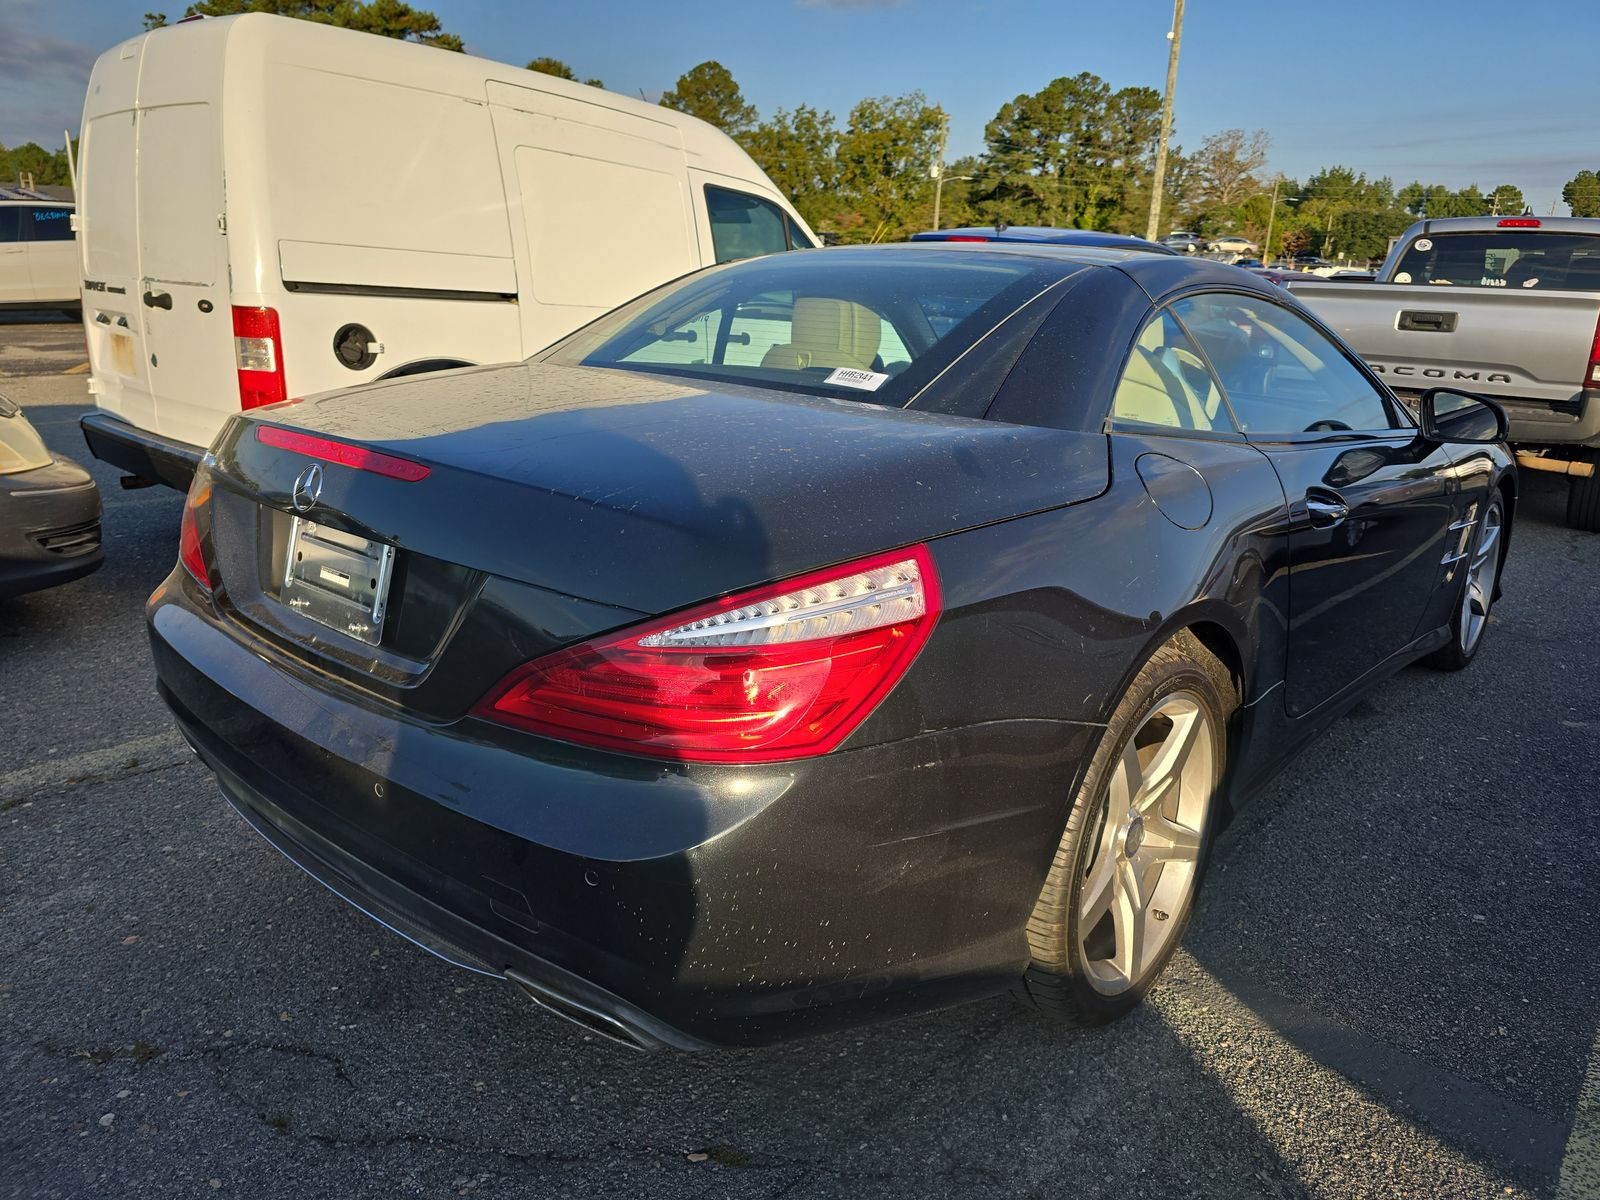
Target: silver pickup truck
1507, 307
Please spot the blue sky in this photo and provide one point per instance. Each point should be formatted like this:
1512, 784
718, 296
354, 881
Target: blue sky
1464, 91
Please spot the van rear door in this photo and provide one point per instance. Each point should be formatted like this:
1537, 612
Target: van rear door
183, 267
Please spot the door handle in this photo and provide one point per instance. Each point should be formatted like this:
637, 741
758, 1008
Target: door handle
158, 300
1326, 512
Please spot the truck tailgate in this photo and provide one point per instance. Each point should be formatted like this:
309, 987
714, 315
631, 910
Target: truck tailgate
1524, 344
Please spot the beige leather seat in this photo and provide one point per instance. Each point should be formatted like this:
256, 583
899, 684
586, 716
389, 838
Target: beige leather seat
828, 333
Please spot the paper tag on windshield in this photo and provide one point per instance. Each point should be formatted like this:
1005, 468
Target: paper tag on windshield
850, 377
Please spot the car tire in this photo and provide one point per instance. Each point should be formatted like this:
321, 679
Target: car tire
1583, 500
1470, 623
1083, 970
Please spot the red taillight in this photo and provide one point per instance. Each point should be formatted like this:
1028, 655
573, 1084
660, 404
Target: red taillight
1518, 222
258, 353
964, 239
1591, 375
785, 671
190, 553
346, 455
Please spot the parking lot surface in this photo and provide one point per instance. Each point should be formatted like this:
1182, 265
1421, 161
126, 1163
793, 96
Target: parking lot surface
1391, 987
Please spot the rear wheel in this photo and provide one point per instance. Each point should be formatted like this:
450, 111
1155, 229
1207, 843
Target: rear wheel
1583, 499
1471, 618
1122, 885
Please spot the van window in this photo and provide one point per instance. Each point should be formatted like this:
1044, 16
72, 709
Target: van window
8, 224
46, 224
743, 226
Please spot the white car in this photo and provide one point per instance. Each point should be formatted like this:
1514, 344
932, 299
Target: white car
38, 254
1234, 244
272, 208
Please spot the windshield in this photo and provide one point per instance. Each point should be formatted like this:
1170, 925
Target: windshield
869, 325
1519, 258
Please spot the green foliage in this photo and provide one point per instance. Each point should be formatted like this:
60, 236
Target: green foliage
797, 150
884, 158
386, 18
1507, 199
1074, 153
709, 92
554, 66
30, 158
1582, 194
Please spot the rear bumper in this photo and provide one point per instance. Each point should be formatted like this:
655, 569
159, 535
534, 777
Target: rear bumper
663, 905
1574, 422
140, 452
49, 527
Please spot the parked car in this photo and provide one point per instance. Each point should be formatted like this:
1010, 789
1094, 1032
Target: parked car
825, 636
38, 256
1507, 306
390, 209
49, 511
1184, 242
1043, 234
1234, 244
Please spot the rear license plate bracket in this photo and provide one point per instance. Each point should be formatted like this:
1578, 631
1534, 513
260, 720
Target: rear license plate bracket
337, 579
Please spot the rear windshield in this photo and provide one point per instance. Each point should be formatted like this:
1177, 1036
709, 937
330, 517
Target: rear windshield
1515, 258
867, 327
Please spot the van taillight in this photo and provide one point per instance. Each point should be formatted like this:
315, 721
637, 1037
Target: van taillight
258, 353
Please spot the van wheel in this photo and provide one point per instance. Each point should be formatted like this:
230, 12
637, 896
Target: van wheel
1120, 890
1583, 499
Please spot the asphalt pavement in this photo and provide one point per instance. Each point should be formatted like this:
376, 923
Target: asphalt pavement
1391, 987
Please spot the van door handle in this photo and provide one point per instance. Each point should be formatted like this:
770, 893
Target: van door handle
158, 300
1326, 510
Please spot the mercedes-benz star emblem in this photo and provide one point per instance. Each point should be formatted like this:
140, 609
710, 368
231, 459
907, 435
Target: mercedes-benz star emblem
307, 487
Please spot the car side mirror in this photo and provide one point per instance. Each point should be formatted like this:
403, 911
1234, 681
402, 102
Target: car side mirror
1451, 416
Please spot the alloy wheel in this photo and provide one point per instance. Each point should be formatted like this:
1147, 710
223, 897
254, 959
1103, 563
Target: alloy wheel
1478, 594
1140, 876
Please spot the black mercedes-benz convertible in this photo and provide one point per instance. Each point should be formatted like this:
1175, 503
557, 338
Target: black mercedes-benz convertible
824, 636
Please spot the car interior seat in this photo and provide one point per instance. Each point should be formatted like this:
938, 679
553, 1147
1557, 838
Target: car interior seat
828, 333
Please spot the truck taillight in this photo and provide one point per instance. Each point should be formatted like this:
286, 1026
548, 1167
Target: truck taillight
785, 671
1591, 376
258, 353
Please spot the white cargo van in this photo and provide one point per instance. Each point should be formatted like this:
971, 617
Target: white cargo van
270, 208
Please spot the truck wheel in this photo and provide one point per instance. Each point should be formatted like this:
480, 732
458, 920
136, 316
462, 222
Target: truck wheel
1122, 885
1583, 501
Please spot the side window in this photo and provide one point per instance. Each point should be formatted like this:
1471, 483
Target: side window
8, 224
1166, 382
46, 224
1281, 374
743, 226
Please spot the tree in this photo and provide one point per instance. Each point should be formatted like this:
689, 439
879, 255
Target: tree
884, 156
796, 150
1507, 199
1582, 194
709, 92
32, 159
386, 18
1074, 153
1224, 168
554, 66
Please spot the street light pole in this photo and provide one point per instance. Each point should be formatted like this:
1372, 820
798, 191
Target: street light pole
938, 178
1159, 183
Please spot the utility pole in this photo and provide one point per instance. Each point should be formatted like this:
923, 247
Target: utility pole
1175, 35
1272, 213
938, 168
